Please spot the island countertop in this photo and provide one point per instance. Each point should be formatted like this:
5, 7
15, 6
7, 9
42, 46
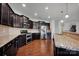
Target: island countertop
67, 42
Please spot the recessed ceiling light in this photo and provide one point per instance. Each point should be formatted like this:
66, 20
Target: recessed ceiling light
61, 21
24, 5
66, 16
35, 14
48, 16
46, 8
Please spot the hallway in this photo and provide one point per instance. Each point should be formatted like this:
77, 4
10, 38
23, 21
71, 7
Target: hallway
37, 48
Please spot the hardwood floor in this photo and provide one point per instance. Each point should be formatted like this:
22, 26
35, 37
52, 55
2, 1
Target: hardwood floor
37, 48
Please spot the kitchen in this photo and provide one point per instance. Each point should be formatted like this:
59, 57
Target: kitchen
22, 35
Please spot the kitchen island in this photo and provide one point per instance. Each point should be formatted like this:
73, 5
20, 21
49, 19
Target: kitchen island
66, 45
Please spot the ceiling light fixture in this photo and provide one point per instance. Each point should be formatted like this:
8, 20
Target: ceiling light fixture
61, 21
24, 5
35, 14
48, 16
46, 8
67, 15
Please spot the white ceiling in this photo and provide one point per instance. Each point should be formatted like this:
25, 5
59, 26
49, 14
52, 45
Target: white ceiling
54, 10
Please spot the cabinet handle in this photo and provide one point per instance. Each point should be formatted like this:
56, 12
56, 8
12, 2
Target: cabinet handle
9, 44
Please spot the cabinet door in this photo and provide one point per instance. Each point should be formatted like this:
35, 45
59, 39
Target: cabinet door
22, 40
30, 24
21, 21
4, 14
17, 42
17, 21
9, 49
10, 18
36, 25
1, 51
35, 36
0, 13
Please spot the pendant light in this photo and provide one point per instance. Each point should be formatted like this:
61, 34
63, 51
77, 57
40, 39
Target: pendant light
61, 21
67, 15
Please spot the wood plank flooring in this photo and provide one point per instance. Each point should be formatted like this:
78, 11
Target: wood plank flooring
37, 48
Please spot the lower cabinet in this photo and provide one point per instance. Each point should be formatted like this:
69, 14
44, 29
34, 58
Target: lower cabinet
20, 41
1, 51
65, 52
35, 36
10, 49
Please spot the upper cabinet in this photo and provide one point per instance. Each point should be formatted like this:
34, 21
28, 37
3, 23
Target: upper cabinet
21, 21
30, 24
38, 24
0, 13
6, 14
25, 22
16, 21
9, 18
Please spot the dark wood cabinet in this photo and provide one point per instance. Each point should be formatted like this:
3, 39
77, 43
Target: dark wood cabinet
25, 22
20, 41
20, 21
16, 20
8, 49
65, 52
11, 51
6, 13
1, 51
30, 24
0, 13
10, 18
37, 25
35, 36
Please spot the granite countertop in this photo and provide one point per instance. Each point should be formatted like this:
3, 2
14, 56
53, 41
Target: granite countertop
8, 33
66, 42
